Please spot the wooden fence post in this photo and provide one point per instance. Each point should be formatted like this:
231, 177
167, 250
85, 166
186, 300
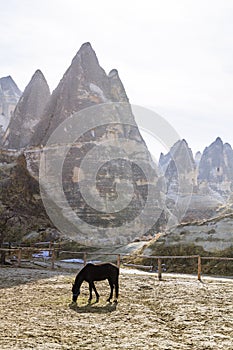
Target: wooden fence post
118, 260
53, 258
199, 268
50, 247
159, 269
19, 257
84, 258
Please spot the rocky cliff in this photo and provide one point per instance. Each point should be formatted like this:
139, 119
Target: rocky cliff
27, 113
9, 96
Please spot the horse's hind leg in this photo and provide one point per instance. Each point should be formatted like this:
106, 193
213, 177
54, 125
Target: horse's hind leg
96, 293
116, 284
111, 292
116, 291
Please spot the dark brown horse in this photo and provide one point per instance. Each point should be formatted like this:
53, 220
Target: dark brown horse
97, 272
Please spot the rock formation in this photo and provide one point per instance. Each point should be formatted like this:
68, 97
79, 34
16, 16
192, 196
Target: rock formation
178, 167
215, 171
27, 113
206, 224
100, 99
9, 96
179, 172
209, 177
93, 159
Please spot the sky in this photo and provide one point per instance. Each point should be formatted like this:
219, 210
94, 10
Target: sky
173, 56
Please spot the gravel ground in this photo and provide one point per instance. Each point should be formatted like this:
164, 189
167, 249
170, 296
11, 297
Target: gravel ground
176, 313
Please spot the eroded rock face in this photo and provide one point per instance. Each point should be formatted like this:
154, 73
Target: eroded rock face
27, 114
9, 96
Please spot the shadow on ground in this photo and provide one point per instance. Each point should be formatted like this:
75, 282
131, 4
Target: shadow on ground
93, 308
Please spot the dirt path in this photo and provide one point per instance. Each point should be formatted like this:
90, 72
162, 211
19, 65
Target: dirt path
176, 313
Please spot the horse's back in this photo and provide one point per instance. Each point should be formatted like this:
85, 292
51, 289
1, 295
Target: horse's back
98, 272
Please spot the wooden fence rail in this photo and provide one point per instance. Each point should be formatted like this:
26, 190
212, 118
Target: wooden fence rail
119, 257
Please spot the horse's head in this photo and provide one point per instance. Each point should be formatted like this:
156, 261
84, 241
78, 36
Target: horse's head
75, 291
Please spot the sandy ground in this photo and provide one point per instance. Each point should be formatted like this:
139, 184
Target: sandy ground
176, 313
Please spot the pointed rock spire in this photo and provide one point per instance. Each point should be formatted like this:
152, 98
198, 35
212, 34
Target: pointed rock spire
8, 85
216, 166
9, 96
181, 154
28, 113
83, 85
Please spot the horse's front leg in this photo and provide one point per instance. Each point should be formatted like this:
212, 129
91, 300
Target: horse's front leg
90, 292
96, 293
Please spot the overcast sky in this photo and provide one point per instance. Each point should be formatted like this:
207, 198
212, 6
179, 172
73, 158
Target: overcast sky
173, 56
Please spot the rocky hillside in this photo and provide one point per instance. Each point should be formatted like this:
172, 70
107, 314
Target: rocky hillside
21, 207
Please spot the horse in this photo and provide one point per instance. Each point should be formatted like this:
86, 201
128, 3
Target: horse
97, 272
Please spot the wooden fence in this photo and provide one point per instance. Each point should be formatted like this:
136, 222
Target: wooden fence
119, 257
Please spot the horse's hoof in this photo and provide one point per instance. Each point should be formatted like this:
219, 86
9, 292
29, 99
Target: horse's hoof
73, 305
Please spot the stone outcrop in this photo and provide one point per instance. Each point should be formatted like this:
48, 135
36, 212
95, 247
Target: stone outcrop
27, 114
9, 96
